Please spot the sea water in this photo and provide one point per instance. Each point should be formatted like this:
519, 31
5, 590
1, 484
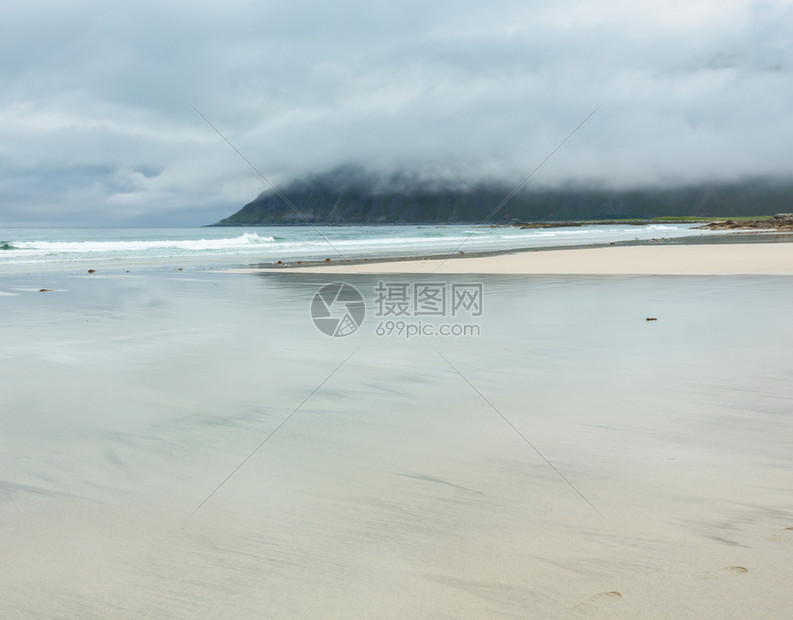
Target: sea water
25, 250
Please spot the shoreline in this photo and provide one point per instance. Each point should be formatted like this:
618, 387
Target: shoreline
734, 254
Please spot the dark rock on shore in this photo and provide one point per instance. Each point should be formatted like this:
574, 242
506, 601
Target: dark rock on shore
779, 222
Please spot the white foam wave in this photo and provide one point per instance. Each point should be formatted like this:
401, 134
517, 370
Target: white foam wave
245, 240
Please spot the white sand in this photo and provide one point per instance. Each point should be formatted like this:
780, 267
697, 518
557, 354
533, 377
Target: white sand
722, 259
396, 491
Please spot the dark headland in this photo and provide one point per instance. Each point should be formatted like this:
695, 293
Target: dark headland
349, 195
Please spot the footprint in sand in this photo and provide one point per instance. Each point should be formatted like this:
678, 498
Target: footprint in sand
713, 575
597, 599
782, 536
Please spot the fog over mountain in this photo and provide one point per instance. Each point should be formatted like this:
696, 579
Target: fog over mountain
351, 195
98, 129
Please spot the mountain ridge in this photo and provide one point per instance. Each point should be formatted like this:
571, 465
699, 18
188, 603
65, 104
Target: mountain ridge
351, 196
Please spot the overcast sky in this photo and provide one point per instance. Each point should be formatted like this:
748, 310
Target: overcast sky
97, 128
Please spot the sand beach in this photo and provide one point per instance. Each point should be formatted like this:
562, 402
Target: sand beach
569, 459
739, 257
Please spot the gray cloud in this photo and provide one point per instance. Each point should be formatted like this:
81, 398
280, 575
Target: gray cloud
96, 125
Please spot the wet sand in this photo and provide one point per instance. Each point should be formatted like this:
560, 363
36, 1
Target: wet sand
735, 258
396, 490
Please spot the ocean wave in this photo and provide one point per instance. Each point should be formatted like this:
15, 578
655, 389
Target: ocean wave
246, 240
369, 243
92, 247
